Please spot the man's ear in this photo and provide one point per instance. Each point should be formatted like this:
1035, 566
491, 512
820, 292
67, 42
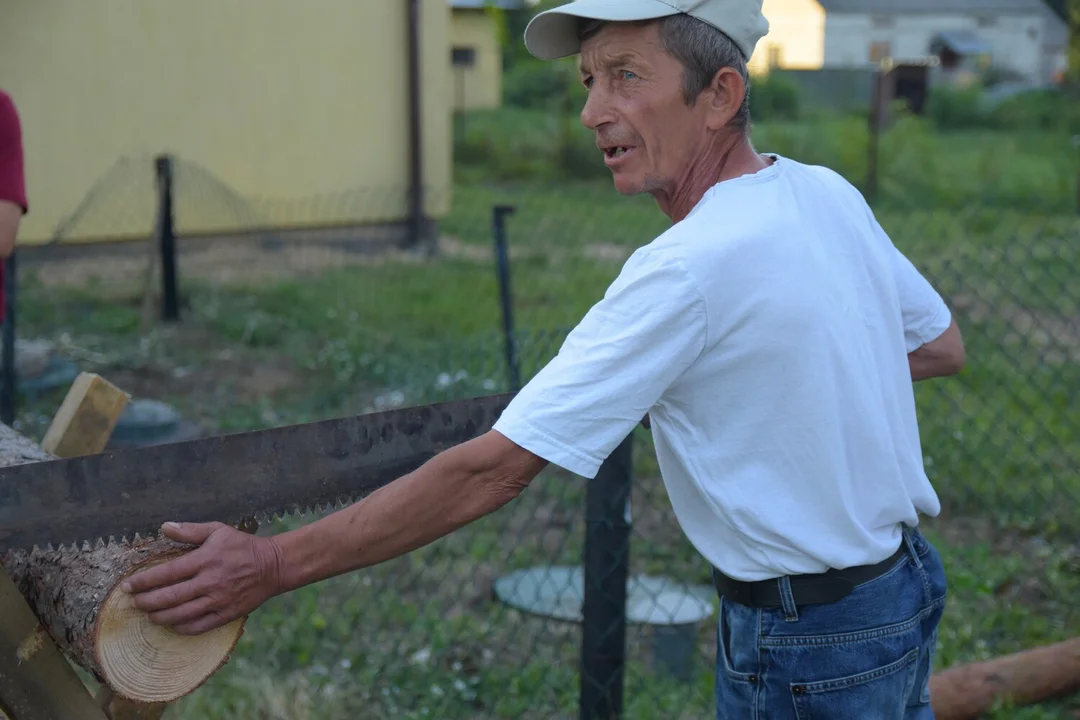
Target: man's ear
724, 97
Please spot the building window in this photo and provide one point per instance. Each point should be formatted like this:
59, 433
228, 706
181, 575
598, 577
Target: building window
879, 51
882, 21
463, 56
986, 21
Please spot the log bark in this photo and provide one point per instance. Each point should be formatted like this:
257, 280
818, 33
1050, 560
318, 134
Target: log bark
75, 594
966, 692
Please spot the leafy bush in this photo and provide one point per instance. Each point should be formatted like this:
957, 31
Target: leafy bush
1047, 110
970, 108
536, 85
957, 108
774, 98
516, 144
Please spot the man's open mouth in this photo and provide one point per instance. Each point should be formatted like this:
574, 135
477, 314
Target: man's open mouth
614, 152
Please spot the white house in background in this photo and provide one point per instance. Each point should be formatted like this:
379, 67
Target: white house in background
1020, 37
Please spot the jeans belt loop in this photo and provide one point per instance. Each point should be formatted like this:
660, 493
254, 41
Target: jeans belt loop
909, 540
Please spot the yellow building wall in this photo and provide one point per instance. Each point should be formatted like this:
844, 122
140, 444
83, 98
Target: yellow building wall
796, 39
280, 113
480, 86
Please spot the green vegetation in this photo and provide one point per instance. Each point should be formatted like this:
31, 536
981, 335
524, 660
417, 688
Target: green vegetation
987, 214
919, 166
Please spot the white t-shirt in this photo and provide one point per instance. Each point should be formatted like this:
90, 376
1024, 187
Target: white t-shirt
766, 335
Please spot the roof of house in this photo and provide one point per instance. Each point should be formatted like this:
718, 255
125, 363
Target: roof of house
963, 42
932, 6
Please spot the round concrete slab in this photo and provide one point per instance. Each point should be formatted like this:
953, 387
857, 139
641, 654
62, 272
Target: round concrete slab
151, 422
558, 592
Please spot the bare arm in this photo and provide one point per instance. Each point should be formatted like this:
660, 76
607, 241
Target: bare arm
13, 203
453, 489
231, 572
10, 216
942, 356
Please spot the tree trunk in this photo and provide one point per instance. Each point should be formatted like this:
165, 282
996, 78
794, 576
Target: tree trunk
75, 595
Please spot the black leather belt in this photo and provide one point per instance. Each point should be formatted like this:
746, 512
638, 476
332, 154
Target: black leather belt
825, 587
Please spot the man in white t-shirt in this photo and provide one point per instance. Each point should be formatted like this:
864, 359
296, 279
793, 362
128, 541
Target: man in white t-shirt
771, 335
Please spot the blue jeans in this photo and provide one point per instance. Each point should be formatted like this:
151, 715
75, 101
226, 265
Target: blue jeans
865, 657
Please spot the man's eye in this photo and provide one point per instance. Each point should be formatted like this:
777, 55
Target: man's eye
628, 75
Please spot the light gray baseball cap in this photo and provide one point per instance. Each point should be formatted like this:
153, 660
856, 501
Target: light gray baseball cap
552, 34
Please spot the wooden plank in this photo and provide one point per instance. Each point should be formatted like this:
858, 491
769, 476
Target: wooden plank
86, 419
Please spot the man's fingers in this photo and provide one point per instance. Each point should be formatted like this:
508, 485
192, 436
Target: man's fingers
175, 571
169, 596
206, 623
191, 533
182, 613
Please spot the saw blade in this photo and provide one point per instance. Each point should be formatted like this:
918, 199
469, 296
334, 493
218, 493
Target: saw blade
266, 474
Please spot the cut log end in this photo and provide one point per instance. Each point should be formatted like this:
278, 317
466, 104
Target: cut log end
79, 602
149, 663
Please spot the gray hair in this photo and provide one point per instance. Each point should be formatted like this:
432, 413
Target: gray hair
703, 51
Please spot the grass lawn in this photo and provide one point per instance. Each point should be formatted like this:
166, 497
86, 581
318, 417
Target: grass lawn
423, 637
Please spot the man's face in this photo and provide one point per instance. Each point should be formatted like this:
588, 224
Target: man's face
636, 108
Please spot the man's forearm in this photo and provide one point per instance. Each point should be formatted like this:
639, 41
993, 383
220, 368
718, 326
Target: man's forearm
10, 216
941, 357
923, 368
449, 491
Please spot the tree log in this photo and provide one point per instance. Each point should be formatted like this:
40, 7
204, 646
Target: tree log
76, 596
966, 692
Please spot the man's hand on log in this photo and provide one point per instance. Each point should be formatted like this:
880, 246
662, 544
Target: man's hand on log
230, 574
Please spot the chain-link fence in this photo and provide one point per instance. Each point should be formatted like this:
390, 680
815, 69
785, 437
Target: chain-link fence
278, 325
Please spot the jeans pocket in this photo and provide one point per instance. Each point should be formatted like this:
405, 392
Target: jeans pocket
926, 668
736, 689
725, 650
878, 694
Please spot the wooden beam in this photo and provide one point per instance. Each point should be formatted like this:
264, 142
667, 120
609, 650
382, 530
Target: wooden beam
967, 692
36, 680
118, 708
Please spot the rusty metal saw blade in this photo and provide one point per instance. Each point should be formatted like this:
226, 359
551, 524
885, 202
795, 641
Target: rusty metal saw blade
228, 478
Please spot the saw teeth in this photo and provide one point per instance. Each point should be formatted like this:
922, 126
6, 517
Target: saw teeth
263, 517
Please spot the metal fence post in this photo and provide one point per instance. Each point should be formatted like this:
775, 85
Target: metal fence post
502, 269
170, 304
607, 567
10, 376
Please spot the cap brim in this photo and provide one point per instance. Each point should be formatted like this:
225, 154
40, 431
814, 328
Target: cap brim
553, 34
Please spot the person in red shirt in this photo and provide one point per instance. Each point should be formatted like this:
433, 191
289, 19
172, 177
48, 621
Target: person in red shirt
13, 204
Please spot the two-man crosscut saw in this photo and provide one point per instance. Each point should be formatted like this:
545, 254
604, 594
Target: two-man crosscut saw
296, 469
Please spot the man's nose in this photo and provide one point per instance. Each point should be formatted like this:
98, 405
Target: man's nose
597, 110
